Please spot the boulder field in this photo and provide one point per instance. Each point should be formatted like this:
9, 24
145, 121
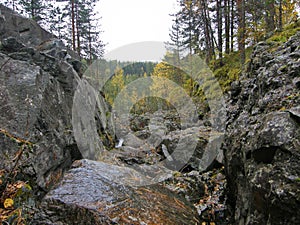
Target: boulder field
259, 151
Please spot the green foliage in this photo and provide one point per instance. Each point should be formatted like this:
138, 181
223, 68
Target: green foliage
227, 71
288, 31
124, 74
138, 68
36, 9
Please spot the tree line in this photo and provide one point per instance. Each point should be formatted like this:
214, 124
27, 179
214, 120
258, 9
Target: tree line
74, 21
211, 28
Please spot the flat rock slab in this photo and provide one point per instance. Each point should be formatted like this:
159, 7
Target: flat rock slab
97, 193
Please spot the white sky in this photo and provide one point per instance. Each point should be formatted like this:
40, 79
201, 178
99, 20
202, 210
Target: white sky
129, 21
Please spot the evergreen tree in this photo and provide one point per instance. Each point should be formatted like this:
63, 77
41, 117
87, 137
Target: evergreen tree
188, 19
241, 29
219, 21
91, 44
78, 24
202, 26
175, 45
227, 25
14, 5
57, 22
35, 9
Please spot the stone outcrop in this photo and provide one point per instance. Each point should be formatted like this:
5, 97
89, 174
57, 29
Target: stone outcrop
36, 106
262, 142
38, 79
99, 193
24, 29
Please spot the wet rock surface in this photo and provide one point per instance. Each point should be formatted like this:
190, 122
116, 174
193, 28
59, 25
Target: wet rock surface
38, 79
263, 135
99, 193
207, 192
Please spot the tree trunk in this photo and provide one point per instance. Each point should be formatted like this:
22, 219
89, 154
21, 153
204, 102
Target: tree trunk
73, 25
90, 46
269, 15
13, 5
241, 29
232, 25
78, 30
207, 32
32, 9
220, 27
280, 16
227, 26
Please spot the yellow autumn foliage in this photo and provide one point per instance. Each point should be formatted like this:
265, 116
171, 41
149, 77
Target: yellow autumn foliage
8, 203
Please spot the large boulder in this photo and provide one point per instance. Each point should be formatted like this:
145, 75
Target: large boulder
36, 106
39, 77
100, 193
24, 29
262, 141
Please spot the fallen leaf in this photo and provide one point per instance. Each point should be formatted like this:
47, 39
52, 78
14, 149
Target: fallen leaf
8, 203
20, 185
2, 172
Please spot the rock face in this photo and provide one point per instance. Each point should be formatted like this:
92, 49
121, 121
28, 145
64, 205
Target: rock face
99, 193
24, 29
262, 142
38, 79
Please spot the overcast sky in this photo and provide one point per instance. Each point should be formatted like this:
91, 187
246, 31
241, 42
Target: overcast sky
129, 21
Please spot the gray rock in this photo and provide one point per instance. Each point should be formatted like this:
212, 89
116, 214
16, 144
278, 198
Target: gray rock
37, 88
133, 141
36, 107
189, 147
99, 193
25, 30
195, 147
11, 44
262, 139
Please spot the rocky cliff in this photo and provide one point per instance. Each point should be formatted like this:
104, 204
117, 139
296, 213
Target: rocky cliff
262, 143
38, 77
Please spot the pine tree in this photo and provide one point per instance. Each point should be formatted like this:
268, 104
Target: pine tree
269, 15
227, 25
79, 27
219, 21
175, 46
35, 9
241, 29
88, 24
188, 19
57, 22
12, 4
206, 22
